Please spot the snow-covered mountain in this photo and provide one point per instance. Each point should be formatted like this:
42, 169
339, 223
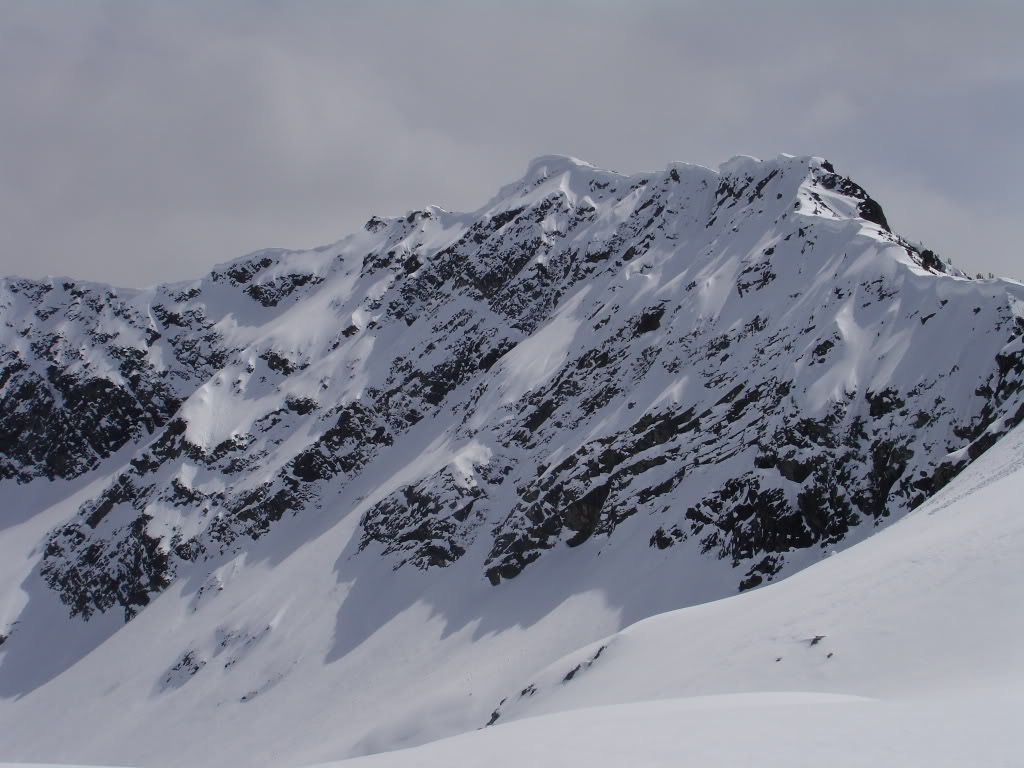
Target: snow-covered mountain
366, 489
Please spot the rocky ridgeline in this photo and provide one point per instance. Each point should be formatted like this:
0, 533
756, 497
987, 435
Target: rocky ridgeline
741, 365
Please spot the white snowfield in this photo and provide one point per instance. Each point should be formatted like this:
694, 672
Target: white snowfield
904, 650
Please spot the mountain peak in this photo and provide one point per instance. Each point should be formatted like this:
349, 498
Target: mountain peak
545, 166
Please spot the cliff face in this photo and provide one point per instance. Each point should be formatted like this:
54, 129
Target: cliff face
741, 365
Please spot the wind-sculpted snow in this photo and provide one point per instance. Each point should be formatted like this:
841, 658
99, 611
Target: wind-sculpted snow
741, 365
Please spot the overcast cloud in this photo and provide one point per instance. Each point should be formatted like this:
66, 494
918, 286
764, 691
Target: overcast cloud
145, 141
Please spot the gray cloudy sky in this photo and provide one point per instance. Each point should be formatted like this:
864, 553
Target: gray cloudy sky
145, 141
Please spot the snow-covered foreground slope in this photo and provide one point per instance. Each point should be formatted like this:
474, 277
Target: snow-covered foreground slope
903, 651
774, 731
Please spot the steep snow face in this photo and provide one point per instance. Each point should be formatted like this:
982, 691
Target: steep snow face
469, 441
906, 644
745, 364
929, 607
903, 647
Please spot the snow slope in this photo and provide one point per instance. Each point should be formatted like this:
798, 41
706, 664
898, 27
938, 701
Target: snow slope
327, 503
919, 663
775, 731
903, 650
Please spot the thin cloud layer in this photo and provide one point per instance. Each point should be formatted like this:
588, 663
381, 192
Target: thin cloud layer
145, 142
